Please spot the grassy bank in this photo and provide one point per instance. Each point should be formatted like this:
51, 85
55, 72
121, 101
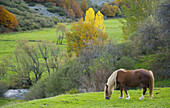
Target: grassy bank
96, 100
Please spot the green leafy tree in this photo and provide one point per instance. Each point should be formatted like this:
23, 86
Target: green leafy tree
135, 12
61, 28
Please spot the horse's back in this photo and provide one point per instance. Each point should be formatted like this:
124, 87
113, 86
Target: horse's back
133, 78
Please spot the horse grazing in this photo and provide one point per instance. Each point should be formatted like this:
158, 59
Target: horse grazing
130, 78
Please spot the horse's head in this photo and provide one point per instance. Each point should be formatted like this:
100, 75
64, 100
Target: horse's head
107, 92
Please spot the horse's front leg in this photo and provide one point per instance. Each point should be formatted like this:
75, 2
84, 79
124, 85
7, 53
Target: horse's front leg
121, 91
144, 91
127, 95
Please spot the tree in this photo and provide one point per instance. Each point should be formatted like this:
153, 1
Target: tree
70, 13
68, 4
77, 10
106, 10
99, 21
7, 19
31, 61
110, 11
84, 6
119, 2
116, 10
61, 27
83, 33
90, 15
136, 12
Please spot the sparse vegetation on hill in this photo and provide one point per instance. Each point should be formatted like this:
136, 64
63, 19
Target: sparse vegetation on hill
28, 19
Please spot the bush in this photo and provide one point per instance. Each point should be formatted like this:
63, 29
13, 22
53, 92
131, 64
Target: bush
4, 29
56, 10
61, 81
37, 91
48, 4
73, 91
31, 3
126, 62
3, 88
160, 65
100, 62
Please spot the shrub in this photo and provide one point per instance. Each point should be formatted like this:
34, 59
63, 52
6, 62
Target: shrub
73, 91
4, 29
126, 62
37, 91
3, 88
160, 65
152, 35
56, 10
31, 3
56, 20
100, 61
61, 81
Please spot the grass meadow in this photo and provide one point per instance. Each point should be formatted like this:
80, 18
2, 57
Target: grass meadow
96, 100
8, 40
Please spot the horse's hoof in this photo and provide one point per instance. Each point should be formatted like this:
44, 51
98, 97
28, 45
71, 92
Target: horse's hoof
121, 97
127, 98
140, 98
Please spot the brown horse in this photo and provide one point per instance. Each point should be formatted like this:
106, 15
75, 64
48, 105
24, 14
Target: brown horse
130, 78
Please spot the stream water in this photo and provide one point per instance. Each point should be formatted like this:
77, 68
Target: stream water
16, 93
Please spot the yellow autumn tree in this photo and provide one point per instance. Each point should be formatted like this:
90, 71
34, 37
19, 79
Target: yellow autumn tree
90, 15
83, 32
99, 21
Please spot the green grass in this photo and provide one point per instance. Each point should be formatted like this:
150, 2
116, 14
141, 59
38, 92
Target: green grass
113, 29
96, 100
7, 101
8, 40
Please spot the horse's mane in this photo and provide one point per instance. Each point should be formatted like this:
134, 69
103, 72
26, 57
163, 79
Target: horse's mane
111, 82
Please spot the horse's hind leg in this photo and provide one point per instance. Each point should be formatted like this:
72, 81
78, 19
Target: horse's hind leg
127, 95
144, 91
121, 91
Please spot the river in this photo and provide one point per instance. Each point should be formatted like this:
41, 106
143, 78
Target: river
16, 93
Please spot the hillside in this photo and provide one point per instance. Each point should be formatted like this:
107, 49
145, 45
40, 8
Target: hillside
100, 2
28, 19
96, 100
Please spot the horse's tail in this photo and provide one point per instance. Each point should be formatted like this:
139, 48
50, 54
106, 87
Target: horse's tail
151, 85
